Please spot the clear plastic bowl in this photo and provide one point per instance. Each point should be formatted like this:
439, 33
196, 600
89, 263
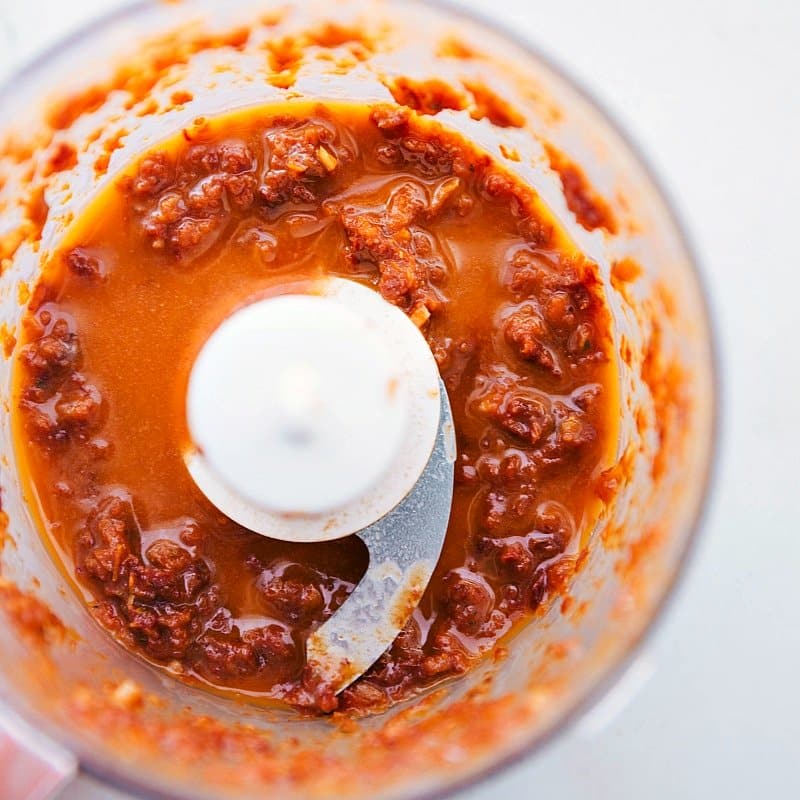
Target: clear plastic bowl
73, 689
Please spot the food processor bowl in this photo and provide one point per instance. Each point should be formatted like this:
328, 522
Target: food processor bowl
69, 695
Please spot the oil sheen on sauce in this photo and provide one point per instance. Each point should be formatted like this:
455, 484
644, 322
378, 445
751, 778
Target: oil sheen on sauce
243, 206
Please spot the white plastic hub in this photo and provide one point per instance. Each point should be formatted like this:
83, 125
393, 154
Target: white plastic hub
312, 415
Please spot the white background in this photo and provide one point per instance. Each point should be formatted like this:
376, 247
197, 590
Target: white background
709, 89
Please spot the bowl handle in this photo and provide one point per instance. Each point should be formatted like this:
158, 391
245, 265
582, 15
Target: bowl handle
31, 767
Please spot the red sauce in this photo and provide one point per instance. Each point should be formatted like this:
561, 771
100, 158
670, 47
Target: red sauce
237, 207
589, 208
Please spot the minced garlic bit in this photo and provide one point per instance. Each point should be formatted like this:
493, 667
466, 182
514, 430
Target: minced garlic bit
443, 192
420, 315
327, 159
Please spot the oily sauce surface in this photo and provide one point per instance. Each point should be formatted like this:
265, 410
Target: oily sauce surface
240, 207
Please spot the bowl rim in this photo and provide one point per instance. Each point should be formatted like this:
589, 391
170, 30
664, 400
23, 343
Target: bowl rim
613, 672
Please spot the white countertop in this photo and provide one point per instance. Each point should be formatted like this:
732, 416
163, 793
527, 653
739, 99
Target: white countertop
709, 89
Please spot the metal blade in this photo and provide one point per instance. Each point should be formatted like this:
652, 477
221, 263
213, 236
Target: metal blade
404, 548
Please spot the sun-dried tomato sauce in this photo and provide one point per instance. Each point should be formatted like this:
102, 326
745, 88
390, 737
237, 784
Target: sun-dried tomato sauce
237, 207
